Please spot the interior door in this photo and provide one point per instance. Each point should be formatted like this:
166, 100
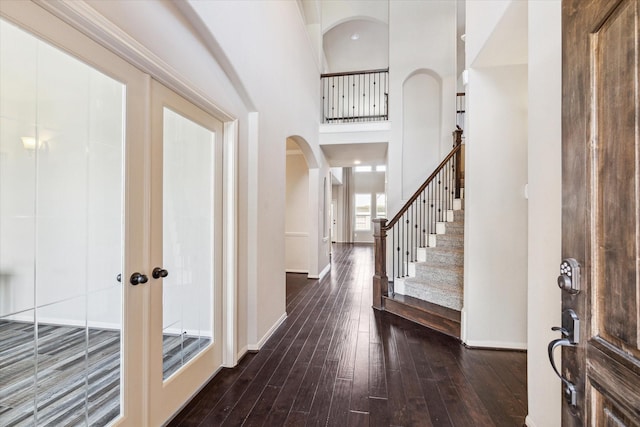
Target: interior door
601, 214
186, 237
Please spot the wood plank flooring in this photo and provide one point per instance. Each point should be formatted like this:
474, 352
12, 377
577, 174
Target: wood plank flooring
337, 362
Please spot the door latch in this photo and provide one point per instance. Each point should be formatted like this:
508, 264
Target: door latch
569, 278
570, 337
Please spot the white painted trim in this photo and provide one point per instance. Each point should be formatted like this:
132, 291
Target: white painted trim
497, 344
86, 19
271, 331
529, 422
351, 127
244, 350
296, 270
253, 145
323, 273
230, 238
296, 234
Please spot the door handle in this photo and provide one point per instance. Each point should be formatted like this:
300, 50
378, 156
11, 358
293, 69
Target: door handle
570, 393
570, 331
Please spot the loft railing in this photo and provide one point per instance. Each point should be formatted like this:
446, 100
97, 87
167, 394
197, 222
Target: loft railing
410, 228
361, 96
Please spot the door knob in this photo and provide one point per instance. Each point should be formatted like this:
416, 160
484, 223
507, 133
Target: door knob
137, 278
159, 272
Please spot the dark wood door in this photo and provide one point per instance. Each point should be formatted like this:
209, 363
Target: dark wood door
601, 209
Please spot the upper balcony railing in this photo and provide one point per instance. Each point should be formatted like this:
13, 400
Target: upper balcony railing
361, 96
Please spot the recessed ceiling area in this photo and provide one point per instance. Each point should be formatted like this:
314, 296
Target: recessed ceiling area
357, 45
345, 155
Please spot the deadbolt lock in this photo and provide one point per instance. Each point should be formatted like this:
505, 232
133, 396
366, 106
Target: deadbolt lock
569, 278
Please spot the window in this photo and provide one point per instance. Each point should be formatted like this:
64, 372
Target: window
363, 168
363, 212
381, 205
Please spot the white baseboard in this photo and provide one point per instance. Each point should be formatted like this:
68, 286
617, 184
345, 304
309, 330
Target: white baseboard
259, 344
503, 345
529, 422
322, 273
240, 354
325, 271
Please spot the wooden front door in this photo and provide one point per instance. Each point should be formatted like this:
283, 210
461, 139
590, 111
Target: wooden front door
601, 212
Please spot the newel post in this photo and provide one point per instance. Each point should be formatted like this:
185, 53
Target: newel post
380, 279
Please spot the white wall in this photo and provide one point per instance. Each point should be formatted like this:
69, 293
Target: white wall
544, 305
297, 214
495, 298
285, 96
421, 120
422, 36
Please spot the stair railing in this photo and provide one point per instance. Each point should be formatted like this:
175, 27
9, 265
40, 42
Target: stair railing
410, 228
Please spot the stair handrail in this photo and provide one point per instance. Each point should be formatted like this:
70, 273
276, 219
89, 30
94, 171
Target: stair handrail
380, 226
413, 198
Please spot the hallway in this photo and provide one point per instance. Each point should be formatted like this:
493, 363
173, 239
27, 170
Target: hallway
335, 361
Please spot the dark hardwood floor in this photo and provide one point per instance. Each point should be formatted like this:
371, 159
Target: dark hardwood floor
337, 362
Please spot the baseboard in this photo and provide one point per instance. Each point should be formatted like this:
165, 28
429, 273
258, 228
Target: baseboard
244, 350
322, 273
258, 346
529, 422
325, 271
496, 345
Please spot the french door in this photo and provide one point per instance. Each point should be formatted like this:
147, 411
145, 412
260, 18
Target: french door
110, 233
186, 237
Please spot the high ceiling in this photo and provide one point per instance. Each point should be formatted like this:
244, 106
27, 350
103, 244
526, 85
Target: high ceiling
356, 45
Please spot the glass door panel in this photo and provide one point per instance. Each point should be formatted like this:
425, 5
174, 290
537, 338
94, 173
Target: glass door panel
187, 300
61, 236
186, 237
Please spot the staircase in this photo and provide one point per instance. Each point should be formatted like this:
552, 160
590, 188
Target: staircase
437, 275
426, 282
